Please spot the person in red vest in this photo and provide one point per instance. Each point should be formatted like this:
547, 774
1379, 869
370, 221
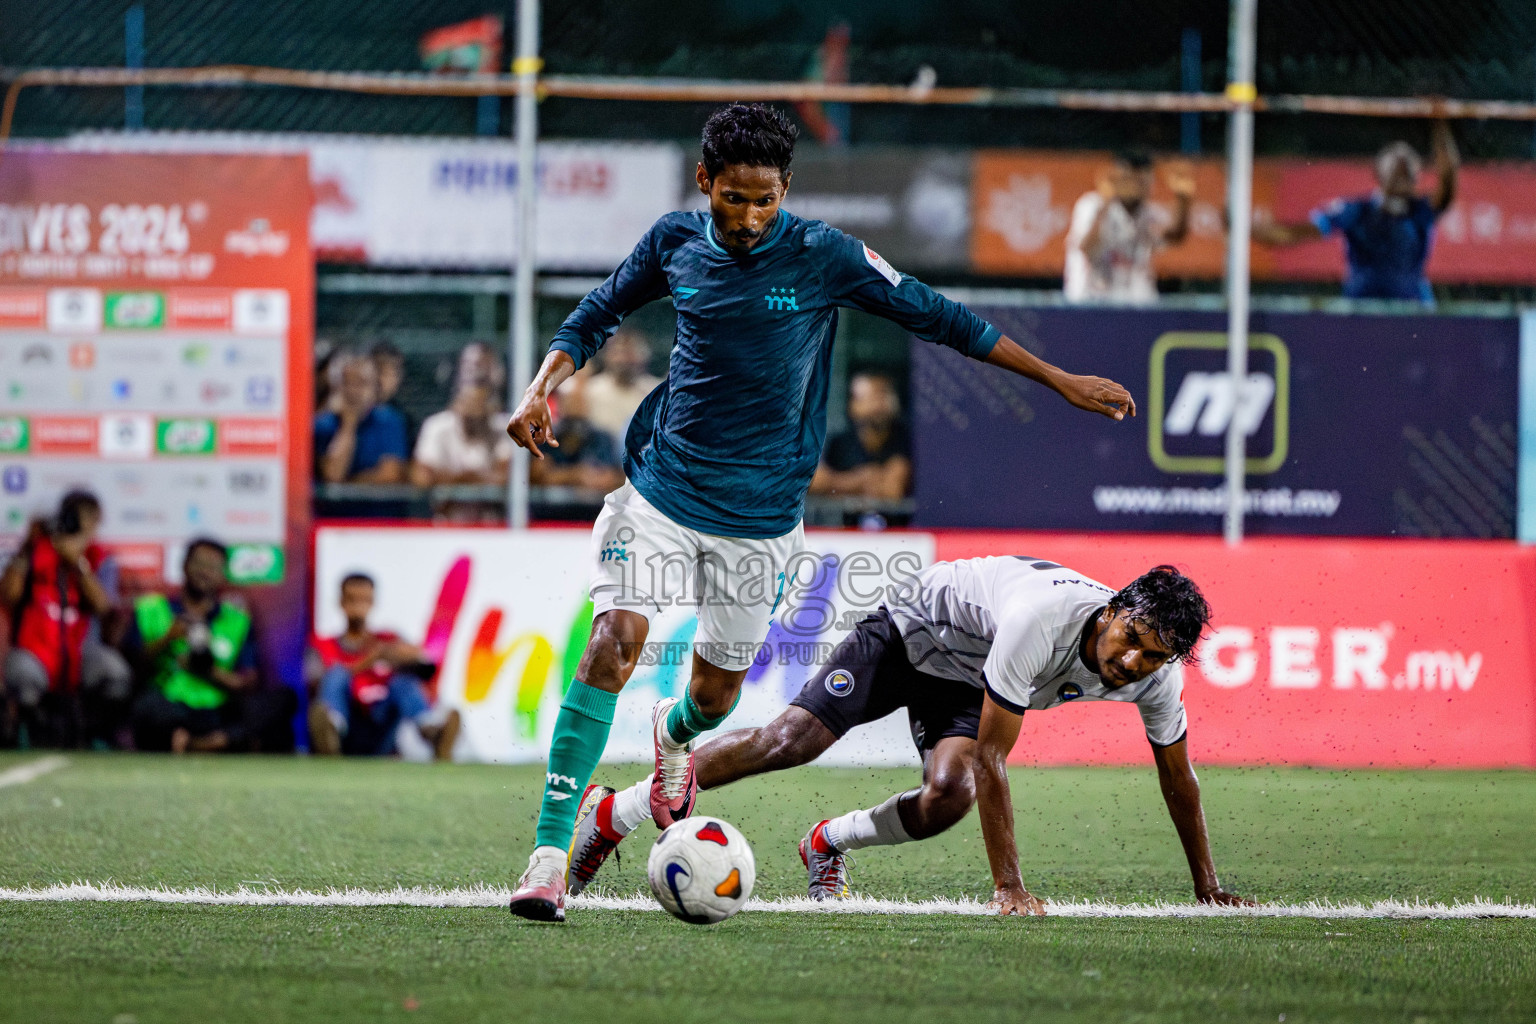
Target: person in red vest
61, 682
370, 682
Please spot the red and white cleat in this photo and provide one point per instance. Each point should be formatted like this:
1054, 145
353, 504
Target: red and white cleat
673, 786
593, 839
826, 865
540, 894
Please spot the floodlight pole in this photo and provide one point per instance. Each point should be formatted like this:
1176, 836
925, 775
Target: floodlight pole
526, 67
1241, 91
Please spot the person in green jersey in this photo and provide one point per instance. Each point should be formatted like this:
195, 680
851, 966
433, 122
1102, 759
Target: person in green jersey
195, 653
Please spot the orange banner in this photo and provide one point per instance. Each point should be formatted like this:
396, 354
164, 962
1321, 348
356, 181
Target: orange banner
1021, 207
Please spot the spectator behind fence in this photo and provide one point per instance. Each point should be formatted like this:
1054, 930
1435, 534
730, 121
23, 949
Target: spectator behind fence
389, 364
1387, 234
615, 391
464, 444
872, 458
196, 655
63, 686
369, 683
580, 454
480, 363
1116, 228
357, 440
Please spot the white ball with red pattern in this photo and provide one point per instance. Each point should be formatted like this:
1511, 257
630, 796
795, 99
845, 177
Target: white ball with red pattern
701, 870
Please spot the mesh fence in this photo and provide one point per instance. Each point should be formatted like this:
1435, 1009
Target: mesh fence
1482, 49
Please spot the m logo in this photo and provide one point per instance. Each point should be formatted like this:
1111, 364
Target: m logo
781, 299
1187, 432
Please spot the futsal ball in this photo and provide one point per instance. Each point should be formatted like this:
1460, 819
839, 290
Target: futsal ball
701, 870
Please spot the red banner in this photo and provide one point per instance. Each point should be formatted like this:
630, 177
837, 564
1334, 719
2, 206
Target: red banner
1022, 205
156, 346
1374, 653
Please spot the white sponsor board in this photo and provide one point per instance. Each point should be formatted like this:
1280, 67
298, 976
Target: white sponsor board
507, 611
452, 202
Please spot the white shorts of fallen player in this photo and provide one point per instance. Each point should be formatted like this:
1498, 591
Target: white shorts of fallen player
643, 562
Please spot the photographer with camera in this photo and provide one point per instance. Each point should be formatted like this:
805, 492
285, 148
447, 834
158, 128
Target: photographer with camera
198, 654
63, 686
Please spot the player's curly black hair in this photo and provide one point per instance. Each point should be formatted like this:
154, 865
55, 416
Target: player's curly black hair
749, 134
1168, 603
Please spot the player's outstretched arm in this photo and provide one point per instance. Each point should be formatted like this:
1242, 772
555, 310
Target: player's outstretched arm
1095, 394
530, 424
995, 737
1181, 791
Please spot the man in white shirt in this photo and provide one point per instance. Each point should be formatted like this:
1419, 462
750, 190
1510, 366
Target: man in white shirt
464, 444
616, 391
966, 649
1115, 230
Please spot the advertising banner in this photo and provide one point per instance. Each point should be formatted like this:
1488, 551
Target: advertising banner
1022, 205
452, 202
507, 616
1022, 201
1356, 425
1488, 235
1383, 654
1342, 653
913, 206
156, 337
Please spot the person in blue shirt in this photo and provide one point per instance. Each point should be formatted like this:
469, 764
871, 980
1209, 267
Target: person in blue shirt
358, 440
1387, 234
720, 455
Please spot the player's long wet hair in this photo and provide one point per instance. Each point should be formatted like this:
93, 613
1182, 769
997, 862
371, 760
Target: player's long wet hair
751, 135
1167, 602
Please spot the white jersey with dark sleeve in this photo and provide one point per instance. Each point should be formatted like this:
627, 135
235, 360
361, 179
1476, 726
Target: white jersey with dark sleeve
1013, 626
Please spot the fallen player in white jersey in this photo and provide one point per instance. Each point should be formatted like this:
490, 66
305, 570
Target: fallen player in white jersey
969, 648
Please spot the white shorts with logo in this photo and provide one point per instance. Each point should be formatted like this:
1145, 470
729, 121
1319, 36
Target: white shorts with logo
644, 562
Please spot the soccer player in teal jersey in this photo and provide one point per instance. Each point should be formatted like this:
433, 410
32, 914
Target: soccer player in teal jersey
720, 455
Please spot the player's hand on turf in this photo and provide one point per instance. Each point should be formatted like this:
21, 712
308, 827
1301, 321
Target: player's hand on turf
1013, 900
1222, 898
530, 425
1098, 394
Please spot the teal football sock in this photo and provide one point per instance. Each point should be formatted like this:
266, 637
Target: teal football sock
685, 720
581, 733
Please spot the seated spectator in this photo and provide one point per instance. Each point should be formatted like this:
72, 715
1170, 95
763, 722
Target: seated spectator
464, 444
871, 459
369, 683
357, 440
480, 363
389, 363
196, 653
1117, 228
1387, 234
622, 381
581, 455
62, 686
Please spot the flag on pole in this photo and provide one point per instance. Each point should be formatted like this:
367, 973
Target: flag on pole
468, 47
829, 122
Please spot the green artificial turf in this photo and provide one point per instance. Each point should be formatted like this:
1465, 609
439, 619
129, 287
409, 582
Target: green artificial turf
1280, 835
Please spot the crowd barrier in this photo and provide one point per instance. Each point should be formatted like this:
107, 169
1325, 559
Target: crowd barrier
1337, 653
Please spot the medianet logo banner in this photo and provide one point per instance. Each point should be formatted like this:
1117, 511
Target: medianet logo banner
1356, 425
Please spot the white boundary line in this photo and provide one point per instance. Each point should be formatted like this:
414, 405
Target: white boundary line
24, 773
497, 896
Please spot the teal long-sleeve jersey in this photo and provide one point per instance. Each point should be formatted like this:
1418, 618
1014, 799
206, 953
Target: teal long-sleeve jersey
728, 443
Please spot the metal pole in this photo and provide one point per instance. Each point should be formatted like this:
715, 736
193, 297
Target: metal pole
519, 364
133, 57
1241, 91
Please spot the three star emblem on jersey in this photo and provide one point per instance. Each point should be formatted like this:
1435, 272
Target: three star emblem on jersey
781, 299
